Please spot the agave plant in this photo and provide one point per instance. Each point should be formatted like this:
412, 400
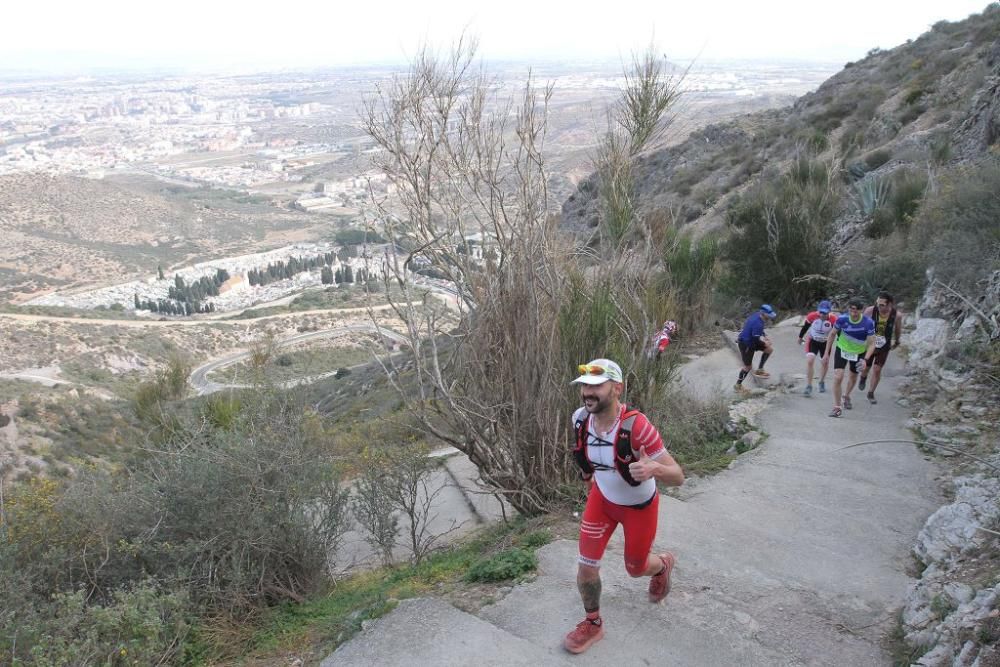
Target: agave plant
870, 193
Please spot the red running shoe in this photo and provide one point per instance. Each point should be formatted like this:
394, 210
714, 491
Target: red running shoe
586, 634
659, 584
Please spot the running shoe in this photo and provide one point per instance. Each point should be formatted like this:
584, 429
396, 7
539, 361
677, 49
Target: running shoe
809, 390
659, 584
862, 382
739, 387
871, 398
847, 403
822, 387
761, 373
836, 412
586, 634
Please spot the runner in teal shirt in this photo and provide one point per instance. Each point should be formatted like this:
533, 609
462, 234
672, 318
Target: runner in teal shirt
853, 337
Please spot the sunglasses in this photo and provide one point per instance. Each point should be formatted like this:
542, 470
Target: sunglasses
591, 369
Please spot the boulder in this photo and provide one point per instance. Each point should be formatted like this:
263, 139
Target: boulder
928, 340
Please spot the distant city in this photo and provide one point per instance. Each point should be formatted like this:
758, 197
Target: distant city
248, 132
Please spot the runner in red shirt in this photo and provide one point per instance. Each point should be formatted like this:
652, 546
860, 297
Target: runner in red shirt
622, 456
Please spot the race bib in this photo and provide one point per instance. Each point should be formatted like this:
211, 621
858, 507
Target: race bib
880, 341
849, 356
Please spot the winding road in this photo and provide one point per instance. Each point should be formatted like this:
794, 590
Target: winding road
203, 386
28, 317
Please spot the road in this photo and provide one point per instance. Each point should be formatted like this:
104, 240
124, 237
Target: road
26, 317
203, 386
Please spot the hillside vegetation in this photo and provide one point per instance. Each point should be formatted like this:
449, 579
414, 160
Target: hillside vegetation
846, 191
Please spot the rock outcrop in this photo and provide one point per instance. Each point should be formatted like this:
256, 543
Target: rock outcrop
951, 614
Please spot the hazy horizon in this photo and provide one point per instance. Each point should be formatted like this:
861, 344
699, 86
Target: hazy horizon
76, 38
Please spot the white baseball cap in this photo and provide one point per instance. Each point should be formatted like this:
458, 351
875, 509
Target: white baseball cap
599, 371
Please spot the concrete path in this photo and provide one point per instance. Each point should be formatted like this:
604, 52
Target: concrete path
797, 555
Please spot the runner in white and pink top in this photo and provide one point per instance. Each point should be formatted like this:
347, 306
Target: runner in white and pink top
622, 456
813, 335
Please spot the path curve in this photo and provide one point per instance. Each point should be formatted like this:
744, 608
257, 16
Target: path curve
28, 317
203, 386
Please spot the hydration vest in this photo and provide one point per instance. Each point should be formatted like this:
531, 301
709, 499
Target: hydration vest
622, 446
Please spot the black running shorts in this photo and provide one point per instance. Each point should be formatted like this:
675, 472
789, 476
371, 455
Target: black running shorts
747, 350
839, 361
817, 347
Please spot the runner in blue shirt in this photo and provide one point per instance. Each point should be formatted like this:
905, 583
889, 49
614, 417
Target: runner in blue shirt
752, 339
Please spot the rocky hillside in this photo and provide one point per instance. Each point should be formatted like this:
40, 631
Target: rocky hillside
932, 100
952, 615
908, 140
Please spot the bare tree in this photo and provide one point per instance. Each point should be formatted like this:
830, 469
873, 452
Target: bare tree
373, 508
414, 494
466, 166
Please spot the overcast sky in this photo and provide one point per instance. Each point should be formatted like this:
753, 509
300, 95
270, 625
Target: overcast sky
220, 33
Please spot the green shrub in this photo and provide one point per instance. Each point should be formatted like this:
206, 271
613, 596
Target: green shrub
852, 138
504, 566
235, 517
169, 384
888, 265
779, 246
805, 171
534, 539
139, 626
877, 158
913, 95
694, 430
959, 228
940, 148
222, 410
911, 113
812, 140
688, 276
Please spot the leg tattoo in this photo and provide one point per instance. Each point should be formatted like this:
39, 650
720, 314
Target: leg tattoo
590, 592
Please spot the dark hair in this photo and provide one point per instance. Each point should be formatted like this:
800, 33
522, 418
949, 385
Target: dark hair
886, 296
856, 303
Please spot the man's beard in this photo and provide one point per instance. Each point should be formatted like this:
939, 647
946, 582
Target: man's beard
595, 404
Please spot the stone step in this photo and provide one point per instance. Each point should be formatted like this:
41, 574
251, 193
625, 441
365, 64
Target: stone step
427, 631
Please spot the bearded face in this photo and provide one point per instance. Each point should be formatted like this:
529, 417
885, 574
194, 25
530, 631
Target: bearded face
599, 398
